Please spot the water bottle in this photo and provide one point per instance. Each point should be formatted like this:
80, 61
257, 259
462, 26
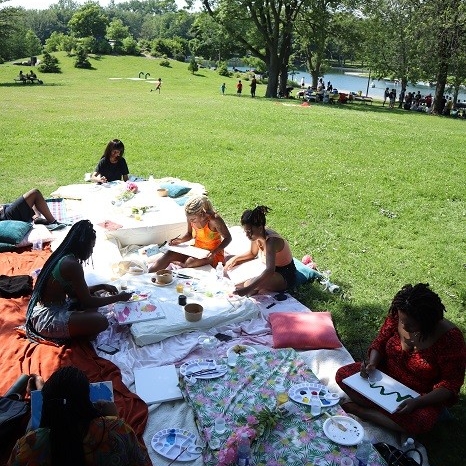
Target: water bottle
408, 444
243, 452
36, 241
363, 452
219, 271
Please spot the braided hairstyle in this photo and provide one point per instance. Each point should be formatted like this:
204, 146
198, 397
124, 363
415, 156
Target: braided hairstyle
255, 217
199, 205
67, 411
421, 304
78, 242
114, 144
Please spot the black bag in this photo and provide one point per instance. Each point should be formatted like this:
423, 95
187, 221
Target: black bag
395, 457
15, 286
13, 414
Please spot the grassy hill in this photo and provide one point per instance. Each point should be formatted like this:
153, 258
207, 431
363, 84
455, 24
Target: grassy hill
376, 196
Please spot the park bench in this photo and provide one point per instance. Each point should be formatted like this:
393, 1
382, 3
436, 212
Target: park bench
28, 80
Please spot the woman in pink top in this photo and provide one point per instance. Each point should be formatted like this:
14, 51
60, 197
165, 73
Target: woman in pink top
273, 250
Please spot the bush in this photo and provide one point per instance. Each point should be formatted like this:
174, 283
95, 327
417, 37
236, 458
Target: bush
82, 60
49, 64
180, 57
165, 62
222, 70
130, 46
193, 67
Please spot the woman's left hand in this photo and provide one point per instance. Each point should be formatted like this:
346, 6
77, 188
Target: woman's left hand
407, 406
110, 289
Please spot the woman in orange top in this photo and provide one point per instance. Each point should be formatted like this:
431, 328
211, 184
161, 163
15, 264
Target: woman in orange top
208, 230
273, 250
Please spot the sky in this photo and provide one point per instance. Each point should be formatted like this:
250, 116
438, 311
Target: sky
44, 4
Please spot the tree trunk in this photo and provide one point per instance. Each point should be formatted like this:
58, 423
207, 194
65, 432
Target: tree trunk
442, 73
273, 68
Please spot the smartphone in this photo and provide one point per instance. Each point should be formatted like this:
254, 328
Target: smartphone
108, 349
223, 337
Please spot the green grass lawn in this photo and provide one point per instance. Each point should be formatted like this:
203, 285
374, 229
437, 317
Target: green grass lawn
377, 196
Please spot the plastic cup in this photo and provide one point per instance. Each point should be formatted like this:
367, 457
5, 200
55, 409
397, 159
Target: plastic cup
179, 288
220, 425
123, 284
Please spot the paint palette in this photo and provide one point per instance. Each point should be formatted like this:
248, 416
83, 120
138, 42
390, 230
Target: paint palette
302, 393
352, 436
171, 442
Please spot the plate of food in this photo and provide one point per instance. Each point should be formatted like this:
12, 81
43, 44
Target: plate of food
353, 434
203, 369
176, 443
241, 349
302, 393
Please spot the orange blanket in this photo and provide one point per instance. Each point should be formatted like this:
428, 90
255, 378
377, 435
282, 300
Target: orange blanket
19, 356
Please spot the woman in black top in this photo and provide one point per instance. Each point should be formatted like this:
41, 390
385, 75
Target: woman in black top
112, 166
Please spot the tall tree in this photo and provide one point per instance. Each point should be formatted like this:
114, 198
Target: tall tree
265, 28
89, 21
10, 23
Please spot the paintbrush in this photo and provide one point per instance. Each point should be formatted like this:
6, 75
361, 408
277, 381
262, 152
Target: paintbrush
177, 456
363, 372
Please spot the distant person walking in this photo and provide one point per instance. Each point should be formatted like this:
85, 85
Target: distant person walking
385, 96
222, 88
239, 88
253, 87
303, 84
158, 85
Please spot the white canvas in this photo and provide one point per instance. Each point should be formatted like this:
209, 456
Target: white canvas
385, 391
189, 250
246, 270
157, 384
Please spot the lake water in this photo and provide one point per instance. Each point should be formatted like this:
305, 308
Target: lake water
349, 81
346, 81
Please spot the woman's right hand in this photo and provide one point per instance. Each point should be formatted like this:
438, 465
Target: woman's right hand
124, 295
230, 263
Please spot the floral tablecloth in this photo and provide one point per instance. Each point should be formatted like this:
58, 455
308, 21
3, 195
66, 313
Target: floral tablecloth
246, 390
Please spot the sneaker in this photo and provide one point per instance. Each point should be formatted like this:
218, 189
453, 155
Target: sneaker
55, 226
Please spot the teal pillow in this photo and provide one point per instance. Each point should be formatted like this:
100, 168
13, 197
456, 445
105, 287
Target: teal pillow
13, 231
175, 190
304, 273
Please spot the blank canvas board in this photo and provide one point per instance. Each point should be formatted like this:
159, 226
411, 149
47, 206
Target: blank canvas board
189, 250
245, 271
385, 391
157, 384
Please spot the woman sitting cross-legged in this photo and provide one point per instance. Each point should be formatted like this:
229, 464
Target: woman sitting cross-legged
421, 349
75, 432
273, 250
62, 305
209, 232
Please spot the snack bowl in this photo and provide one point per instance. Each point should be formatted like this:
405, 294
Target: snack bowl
193, 312
164, 276
162, 192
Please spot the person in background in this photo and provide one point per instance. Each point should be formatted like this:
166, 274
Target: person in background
112, 165
253, 86
208, 230
222, 88
75, 432
62, 305
158, 85
239, 88
273, 250
421, 349
386, 95
30, 207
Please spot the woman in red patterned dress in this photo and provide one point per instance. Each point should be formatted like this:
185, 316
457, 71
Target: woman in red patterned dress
420, 349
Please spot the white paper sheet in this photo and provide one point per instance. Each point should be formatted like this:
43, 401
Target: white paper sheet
245, 271
189, 250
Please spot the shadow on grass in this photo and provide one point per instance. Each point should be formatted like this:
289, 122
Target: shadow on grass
29, 86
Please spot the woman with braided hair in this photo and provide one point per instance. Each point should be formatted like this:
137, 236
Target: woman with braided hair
209, 232
62, 306
273, 250
418, 347
75, 432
